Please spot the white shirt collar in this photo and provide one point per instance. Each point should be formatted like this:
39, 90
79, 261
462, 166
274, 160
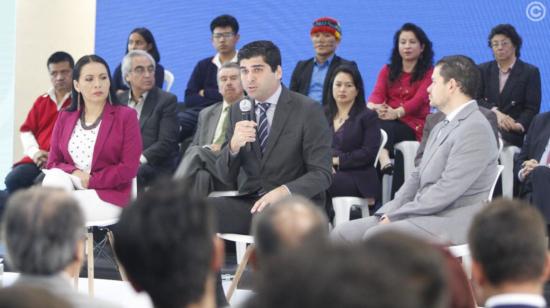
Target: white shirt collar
516, 298
218, 63
51, 94
273, 99
130, 99
453, 114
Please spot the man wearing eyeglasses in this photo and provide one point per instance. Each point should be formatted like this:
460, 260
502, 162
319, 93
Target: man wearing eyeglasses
156, 111
510, 87
202, 88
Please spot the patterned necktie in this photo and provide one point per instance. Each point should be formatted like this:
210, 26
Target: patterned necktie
220, 138
263, 127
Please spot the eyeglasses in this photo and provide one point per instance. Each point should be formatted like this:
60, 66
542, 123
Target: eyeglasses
227, 35
140, 70
496, 44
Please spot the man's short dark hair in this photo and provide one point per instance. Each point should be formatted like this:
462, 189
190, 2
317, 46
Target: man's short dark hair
508, 239
164, 240
268, 237
463, 70
60, 56
327, 276
265, 49
422, 267
223, 21
41, 229
510, 32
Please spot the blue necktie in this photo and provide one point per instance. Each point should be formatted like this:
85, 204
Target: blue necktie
263, 127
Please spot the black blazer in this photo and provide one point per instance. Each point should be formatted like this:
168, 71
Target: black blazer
159, 127
297, 152
520, 98
357, 151
535, 141
301, 76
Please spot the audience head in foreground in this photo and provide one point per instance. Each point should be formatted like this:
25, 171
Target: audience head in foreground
288, 224
168, 248
28, 297
509, 248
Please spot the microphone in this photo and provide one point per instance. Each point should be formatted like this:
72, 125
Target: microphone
246, 106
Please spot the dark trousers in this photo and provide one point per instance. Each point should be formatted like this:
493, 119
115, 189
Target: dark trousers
233, 213
21, 176
397, 131
536, 190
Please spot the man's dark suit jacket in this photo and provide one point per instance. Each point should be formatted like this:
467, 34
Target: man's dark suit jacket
298, 151
437, 117
520, 98
301, 76
159, 128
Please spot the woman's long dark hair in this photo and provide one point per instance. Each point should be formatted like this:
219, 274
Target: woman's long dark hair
425, 61
149, 39
76, 97
359, 104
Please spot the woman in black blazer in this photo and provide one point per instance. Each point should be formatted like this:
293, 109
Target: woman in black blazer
356, 136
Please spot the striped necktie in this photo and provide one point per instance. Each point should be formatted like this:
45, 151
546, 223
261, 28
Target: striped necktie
263, 127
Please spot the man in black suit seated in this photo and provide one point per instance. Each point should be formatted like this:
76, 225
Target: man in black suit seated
531, 165
312, 77
510, 265
199, 161
157, 116
285, 149
510, 87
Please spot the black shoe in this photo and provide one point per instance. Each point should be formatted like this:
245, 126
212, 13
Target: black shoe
387, 169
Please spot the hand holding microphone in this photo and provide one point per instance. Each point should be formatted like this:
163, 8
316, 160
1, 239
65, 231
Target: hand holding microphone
245, 130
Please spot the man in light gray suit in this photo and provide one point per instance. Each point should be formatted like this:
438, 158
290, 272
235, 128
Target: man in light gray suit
451, 184
198, 165
44, 232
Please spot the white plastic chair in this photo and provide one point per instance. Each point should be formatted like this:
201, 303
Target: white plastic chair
168, 79
244, 244
408, 149
342, 207
507, 159
89, 247
383, 141
462, 252
499, 171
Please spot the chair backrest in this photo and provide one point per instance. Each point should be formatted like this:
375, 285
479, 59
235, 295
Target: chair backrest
507, 159
462, 252
500, 145
408, 149
499, 171
169, 79
383, 140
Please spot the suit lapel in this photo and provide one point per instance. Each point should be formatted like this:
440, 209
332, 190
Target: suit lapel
212, 120
308, 72
66, 134
282, 111
509, 85
494, 83
104, 130
148, 106
333, 65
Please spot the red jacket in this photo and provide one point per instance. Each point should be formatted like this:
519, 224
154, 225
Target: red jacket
413, 97
40, 122
115, 161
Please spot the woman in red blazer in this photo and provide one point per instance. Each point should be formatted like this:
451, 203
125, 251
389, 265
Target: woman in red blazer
400, 96
96, 143
356, 137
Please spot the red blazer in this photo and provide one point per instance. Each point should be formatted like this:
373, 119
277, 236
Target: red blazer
115, 161
401, 93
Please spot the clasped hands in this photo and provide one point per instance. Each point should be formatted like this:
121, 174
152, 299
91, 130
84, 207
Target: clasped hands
40, 158
83, 176
528, 166
506, 123
385, 112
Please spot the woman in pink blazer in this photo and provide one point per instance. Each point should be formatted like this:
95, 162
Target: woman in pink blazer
96, 144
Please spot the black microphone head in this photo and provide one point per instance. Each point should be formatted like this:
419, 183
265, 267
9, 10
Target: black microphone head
245, 105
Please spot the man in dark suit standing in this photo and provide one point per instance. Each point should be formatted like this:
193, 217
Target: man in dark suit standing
198, 165
509, 86
531, 165
312, 77
510, 261
157, 116
284, 150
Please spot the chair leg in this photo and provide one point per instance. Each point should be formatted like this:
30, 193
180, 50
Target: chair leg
118, 265
90, 253
239, 273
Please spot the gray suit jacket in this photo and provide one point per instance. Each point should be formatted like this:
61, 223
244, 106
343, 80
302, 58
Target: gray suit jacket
453, 180
159, 127
206, 125
298, 150
59, 286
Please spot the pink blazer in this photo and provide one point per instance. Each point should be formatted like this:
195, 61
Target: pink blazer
115, 161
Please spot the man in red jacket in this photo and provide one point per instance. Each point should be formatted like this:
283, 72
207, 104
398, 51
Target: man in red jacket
37, 129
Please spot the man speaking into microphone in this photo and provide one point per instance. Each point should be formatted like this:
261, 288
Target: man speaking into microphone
288, 137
